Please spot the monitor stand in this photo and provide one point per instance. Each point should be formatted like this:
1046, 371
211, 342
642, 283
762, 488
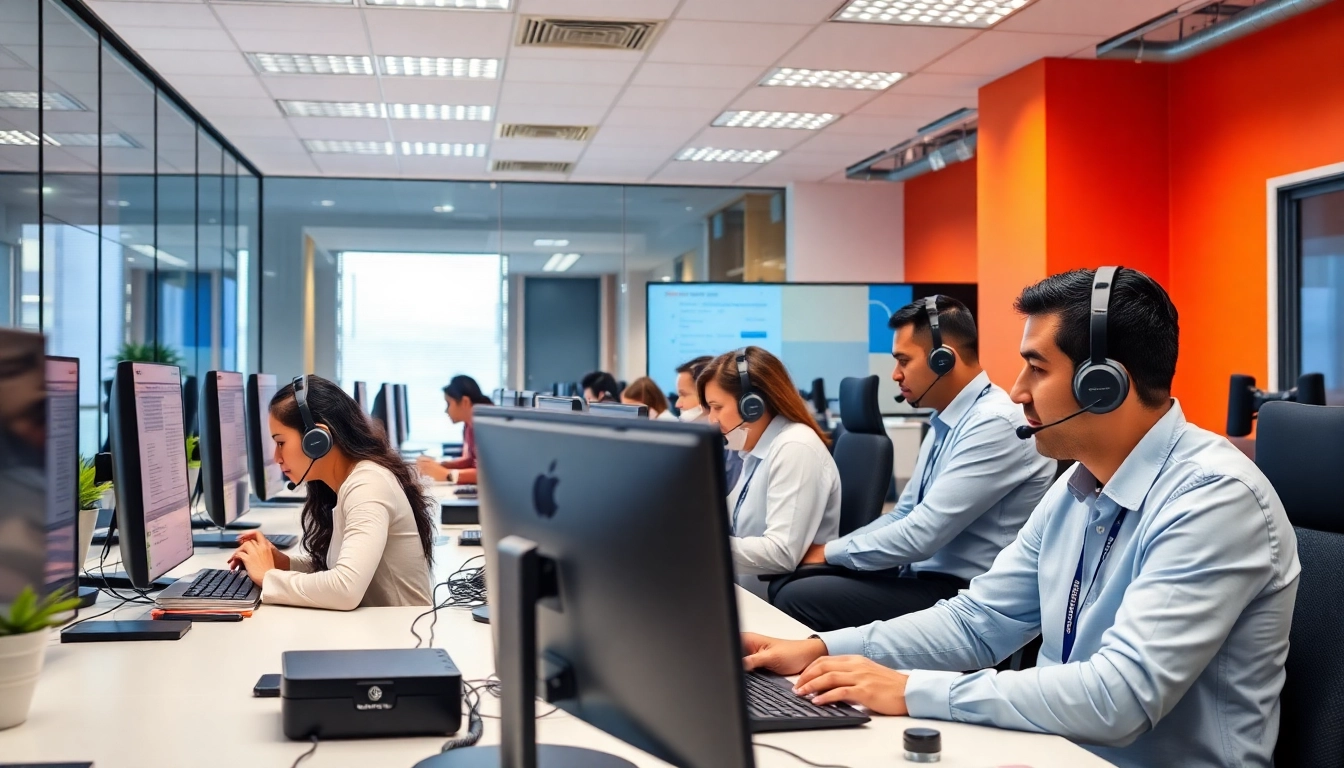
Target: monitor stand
87, 596
198, 524
521, 585
120, 581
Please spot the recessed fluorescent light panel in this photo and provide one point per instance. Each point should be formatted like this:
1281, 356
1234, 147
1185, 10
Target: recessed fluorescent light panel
439, 66
711, 155
51, 100
310, 64
789, 77
322, 146
560, 262
445, 208
480, 5
807, 121
948, 13
18, 138
393, 111
29, 139
544, 243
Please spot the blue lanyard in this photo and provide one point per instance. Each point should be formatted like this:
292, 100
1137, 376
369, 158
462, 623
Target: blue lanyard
1071, 611
938, 448
741, 497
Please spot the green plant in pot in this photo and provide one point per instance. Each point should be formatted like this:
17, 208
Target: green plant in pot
25, 631
90, 493
149, 352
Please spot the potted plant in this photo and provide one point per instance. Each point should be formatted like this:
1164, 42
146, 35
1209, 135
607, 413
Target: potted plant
90, 493
149, 352
24, 633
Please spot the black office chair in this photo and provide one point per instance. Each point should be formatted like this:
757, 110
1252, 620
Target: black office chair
863, 455
1300, 448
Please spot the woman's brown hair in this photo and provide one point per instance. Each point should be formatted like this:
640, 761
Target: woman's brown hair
769, 378
645, 391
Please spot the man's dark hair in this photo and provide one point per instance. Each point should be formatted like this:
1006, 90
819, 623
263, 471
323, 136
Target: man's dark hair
1142, 328
956, 324
694, 367
603, 385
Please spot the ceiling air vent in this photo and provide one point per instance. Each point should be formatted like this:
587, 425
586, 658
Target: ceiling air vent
598, 34
562, 132
531, 166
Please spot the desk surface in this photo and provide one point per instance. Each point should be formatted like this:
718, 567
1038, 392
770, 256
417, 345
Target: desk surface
189, 702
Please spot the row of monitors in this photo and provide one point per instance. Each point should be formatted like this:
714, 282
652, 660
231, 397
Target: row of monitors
508, 398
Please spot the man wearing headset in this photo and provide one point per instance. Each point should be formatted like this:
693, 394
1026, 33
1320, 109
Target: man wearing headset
973, 487
1161, 572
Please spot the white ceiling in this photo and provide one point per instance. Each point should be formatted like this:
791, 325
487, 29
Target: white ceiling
648, 105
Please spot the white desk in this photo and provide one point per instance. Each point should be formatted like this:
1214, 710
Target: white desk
189, 702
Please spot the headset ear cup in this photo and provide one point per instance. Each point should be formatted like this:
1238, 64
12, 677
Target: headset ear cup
316, 443
1101, 387
751, 407
942, 360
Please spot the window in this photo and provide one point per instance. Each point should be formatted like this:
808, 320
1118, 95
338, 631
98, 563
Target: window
1311, 284
427, 317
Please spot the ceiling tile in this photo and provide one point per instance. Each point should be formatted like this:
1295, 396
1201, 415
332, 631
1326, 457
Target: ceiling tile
874, 47
419, 90
559, 94
697, 75
234, 127
998, 53
1105, 18
750, 138
835, 101
561, 71
154, 38
759, 11
261, 145
536, 149
414, 32
622, 137
217, 63
549, 115
868, 125
689, 119
783, 176
303, 19
357, 165
349, 39
323, 87
906, 105
634, 156
354, 129
224, 107
925, 84
599, 9
161, 15
717, 42
704, 173
427, 167
285, 165
451, 131
192, 86
840, 150
676, 98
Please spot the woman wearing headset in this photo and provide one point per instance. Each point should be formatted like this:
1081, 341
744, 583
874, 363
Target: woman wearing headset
367, 529
788, 496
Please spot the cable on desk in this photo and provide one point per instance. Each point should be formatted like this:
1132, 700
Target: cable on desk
118, 606
466, 589
492, 686
796, 756
305, 755
475, 726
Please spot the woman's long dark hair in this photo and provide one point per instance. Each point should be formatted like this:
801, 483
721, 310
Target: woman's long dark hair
361, 439
465, 386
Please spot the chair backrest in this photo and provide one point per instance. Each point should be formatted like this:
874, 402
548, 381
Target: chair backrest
863, 454
1300, 448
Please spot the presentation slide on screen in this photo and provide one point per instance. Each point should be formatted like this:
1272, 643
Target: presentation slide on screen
820, 331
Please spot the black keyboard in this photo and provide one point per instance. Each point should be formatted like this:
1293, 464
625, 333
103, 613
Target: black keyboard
773, 706
215, 584
282, 540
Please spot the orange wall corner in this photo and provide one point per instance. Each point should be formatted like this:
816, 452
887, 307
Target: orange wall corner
940, 226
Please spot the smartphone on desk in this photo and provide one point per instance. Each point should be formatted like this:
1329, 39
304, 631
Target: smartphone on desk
268, 687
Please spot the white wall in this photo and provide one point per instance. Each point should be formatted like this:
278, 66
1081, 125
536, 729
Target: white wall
846, 232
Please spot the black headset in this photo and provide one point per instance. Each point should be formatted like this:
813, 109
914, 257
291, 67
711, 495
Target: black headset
750, 404
941, 357
316, 441
1100, 384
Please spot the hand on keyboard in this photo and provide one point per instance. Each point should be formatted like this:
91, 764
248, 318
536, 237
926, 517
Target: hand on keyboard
258, 556
783, 657
856, 680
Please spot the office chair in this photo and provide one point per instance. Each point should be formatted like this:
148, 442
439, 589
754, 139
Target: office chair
1300, 448
864, 456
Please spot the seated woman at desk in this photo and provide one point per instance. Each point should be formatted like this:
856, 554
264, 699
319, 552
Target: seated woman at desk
643, 391
462, 395
788, 497
368, 533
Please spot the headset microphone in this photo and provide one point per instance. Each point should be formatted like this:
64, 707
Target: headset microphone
293, 485
1025, 432
915, 402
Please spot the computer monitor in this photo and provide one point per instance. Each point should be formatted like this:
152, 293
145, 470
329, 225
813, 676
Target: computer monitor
268, 481
385, 412
362, 395
527, 398
191, 392
619, 410
149, 469
24, 456
63, 557
595, 530
403, 415
224, 453
548, 403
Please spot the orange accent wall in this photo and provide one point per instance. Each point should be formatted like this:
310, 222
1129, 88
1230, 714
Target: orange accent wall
1267, 105
1010, 211
940, 227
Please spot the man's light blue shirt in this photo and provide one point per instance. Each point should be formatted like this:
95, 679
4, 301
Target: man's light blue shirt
982, 486
1180, 643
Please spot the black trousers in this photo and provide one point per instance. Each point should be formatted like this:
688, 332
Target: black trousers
827, 603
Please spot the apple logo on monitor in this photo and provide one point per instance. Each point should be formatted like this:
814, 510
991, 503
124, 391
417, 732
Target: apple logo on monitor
543, 493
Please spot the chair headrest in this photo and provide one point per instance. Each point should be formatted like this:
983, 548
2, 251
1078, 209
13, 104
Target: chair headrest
1300, 448
859, 411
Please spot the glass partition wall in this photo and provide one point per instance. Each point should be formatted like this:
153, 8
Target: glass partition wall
123, 221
